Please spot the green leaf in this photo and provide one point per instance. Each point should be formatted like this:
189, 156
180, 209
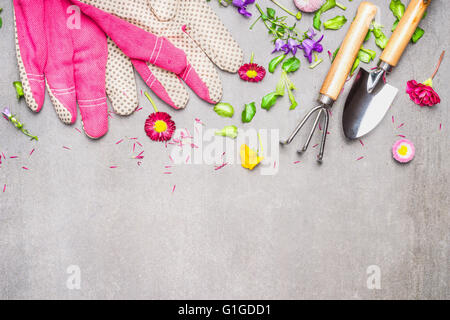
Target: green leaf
294, 103
270, 13
269, 100
336, 52
224, 110
366, 55
291, 65
249, 112
417, 34
380, 38
394, 26
273, 64
330, 4
281, 85
336, 23
19, 89
1, 22
228, 131
316, 21
397, 8
355, 66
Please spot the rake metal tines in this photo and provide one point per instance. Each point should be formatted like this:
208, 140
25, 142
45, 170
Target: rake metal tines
322, 114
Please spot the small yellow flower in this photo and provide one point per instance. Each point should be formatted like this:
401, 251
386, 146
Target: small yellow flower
249, 157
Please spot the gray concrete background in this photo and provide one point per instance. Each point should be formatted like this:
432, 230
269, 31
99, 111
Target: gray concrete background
309, 231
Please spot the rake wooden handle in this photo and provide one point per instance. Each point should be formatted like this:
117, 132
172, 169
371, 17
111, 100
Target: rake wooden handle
404, 31
348, 52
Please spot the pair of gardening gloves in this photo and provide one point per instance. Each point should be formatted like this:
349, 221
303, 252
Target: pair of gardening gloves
83, 50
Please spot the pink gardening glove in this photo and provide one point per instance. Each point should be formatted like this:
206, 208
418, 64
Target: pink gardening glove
71, 59
145, 48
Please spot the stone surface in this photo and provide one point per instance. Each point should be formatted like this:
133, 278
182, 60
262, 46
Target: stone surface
308, 231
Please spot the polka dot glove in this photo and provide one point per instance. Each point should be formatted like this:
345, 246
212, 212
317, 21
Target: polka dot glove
190, 25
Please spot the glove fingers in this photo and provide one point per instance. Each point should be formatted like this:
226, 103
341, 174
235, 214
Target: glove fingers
59, 69
208, 31
31, 49
137, 43
90, 59
200, 75
120, 81
166, 85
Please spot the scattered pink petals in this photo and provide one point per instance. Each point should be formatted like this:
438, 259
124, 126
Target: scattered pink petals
297, 162
138, 109
188, 158
401, 136
4, 188
120, 141
13, 157
330, 55
440, 126
31, 152
401, 125
199, 121
393, 121
25, 168
173, 190
167, 172
139, 156
360, 158
314, 146
113, 167
67, 148
362, 143
78, 130
221, 166
170, 157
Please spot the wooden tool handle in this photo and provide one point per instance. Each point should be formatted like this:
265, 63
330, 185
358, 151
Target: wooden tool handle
348, 52
404, 31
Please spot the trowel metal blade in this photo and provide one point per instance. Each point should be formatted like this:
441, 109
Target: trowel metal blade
363, 110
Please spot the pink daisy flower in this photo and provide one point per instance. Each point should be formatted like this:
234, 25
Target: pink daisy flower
403, 151
159, 126
252, 72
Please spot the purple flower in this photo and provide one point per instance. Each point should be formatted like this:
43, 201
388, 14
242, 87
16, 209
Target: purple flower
278, 45
242, 6
7, 113
290, 46
311, 33
310, 45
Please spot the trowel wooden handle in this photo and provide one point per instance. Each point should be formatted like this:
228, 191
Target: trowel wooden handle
346, 56
404, 31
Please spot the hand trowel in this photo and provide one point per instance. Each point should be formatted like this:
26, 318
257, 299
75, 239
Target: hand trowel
370, 97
